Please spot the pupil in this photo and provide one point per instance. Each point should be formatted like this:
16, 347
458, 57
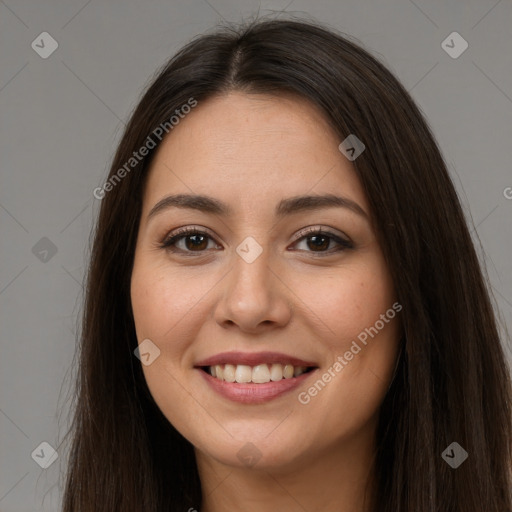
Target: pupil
317, 239
196, 244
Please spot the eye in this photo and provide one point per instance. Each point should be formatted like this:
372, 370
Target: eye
194, 240
319, 241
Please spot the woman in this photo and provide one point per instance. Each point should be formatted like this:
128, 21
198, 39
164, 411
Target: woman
284, 306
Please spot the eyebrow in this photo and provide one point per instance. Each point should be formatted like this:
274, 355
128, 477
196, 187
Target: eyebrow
285, 207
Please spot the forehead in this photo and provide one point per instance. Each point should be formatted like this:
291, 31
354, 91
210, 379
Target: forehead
253, 149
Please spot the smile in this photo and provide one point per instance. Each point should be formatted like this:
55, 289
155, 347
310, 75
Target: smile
254, 378
259, 374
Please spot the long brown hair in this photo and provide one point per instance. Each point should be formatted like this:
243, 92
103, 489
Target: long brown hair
452, 382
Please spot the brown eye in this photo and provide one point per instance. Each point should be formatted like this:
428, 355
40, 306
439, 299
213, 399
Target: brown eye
191, 240
319, 241
197, 242
188, 240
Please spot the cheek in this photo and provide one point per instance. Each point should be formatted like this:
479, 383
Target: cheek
348, 302
163, 298
167, 309
361, 348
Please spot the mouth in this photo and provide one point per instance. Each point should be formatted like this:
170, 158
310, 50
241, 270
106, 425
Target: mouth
258, 374
254, 378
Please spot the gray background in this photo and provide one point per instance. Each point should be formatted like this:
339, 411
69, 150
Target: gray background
62, 117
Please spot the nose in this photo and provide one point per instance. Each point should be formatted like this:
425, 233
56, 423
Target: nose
254, 297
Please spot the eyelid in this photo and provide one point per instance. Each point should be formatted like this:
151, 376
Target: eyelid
316, 229
187, 230
183, 232
342, 240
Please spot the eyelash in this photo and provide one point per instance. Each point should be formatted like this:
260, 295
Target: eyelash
169, 244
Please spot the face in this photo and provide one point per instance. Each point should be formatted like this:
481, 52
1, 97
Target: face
288, 302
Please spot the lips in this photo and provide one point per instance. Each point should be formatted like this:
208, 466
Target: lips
254, 377
253, 359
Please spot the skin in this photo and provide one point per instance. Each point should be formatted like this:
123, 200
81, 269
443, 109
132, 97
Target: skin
250, 152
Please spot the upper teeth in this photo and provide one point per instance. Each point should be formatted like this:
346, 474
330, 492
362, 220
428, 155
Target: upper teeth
259, 374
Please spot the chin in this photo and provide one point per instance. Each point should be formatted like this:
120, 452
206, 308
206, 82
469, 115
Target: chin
261, 451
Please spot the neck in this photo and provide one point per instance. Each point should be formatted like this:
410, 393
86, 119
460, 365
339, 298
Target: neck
340, 479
